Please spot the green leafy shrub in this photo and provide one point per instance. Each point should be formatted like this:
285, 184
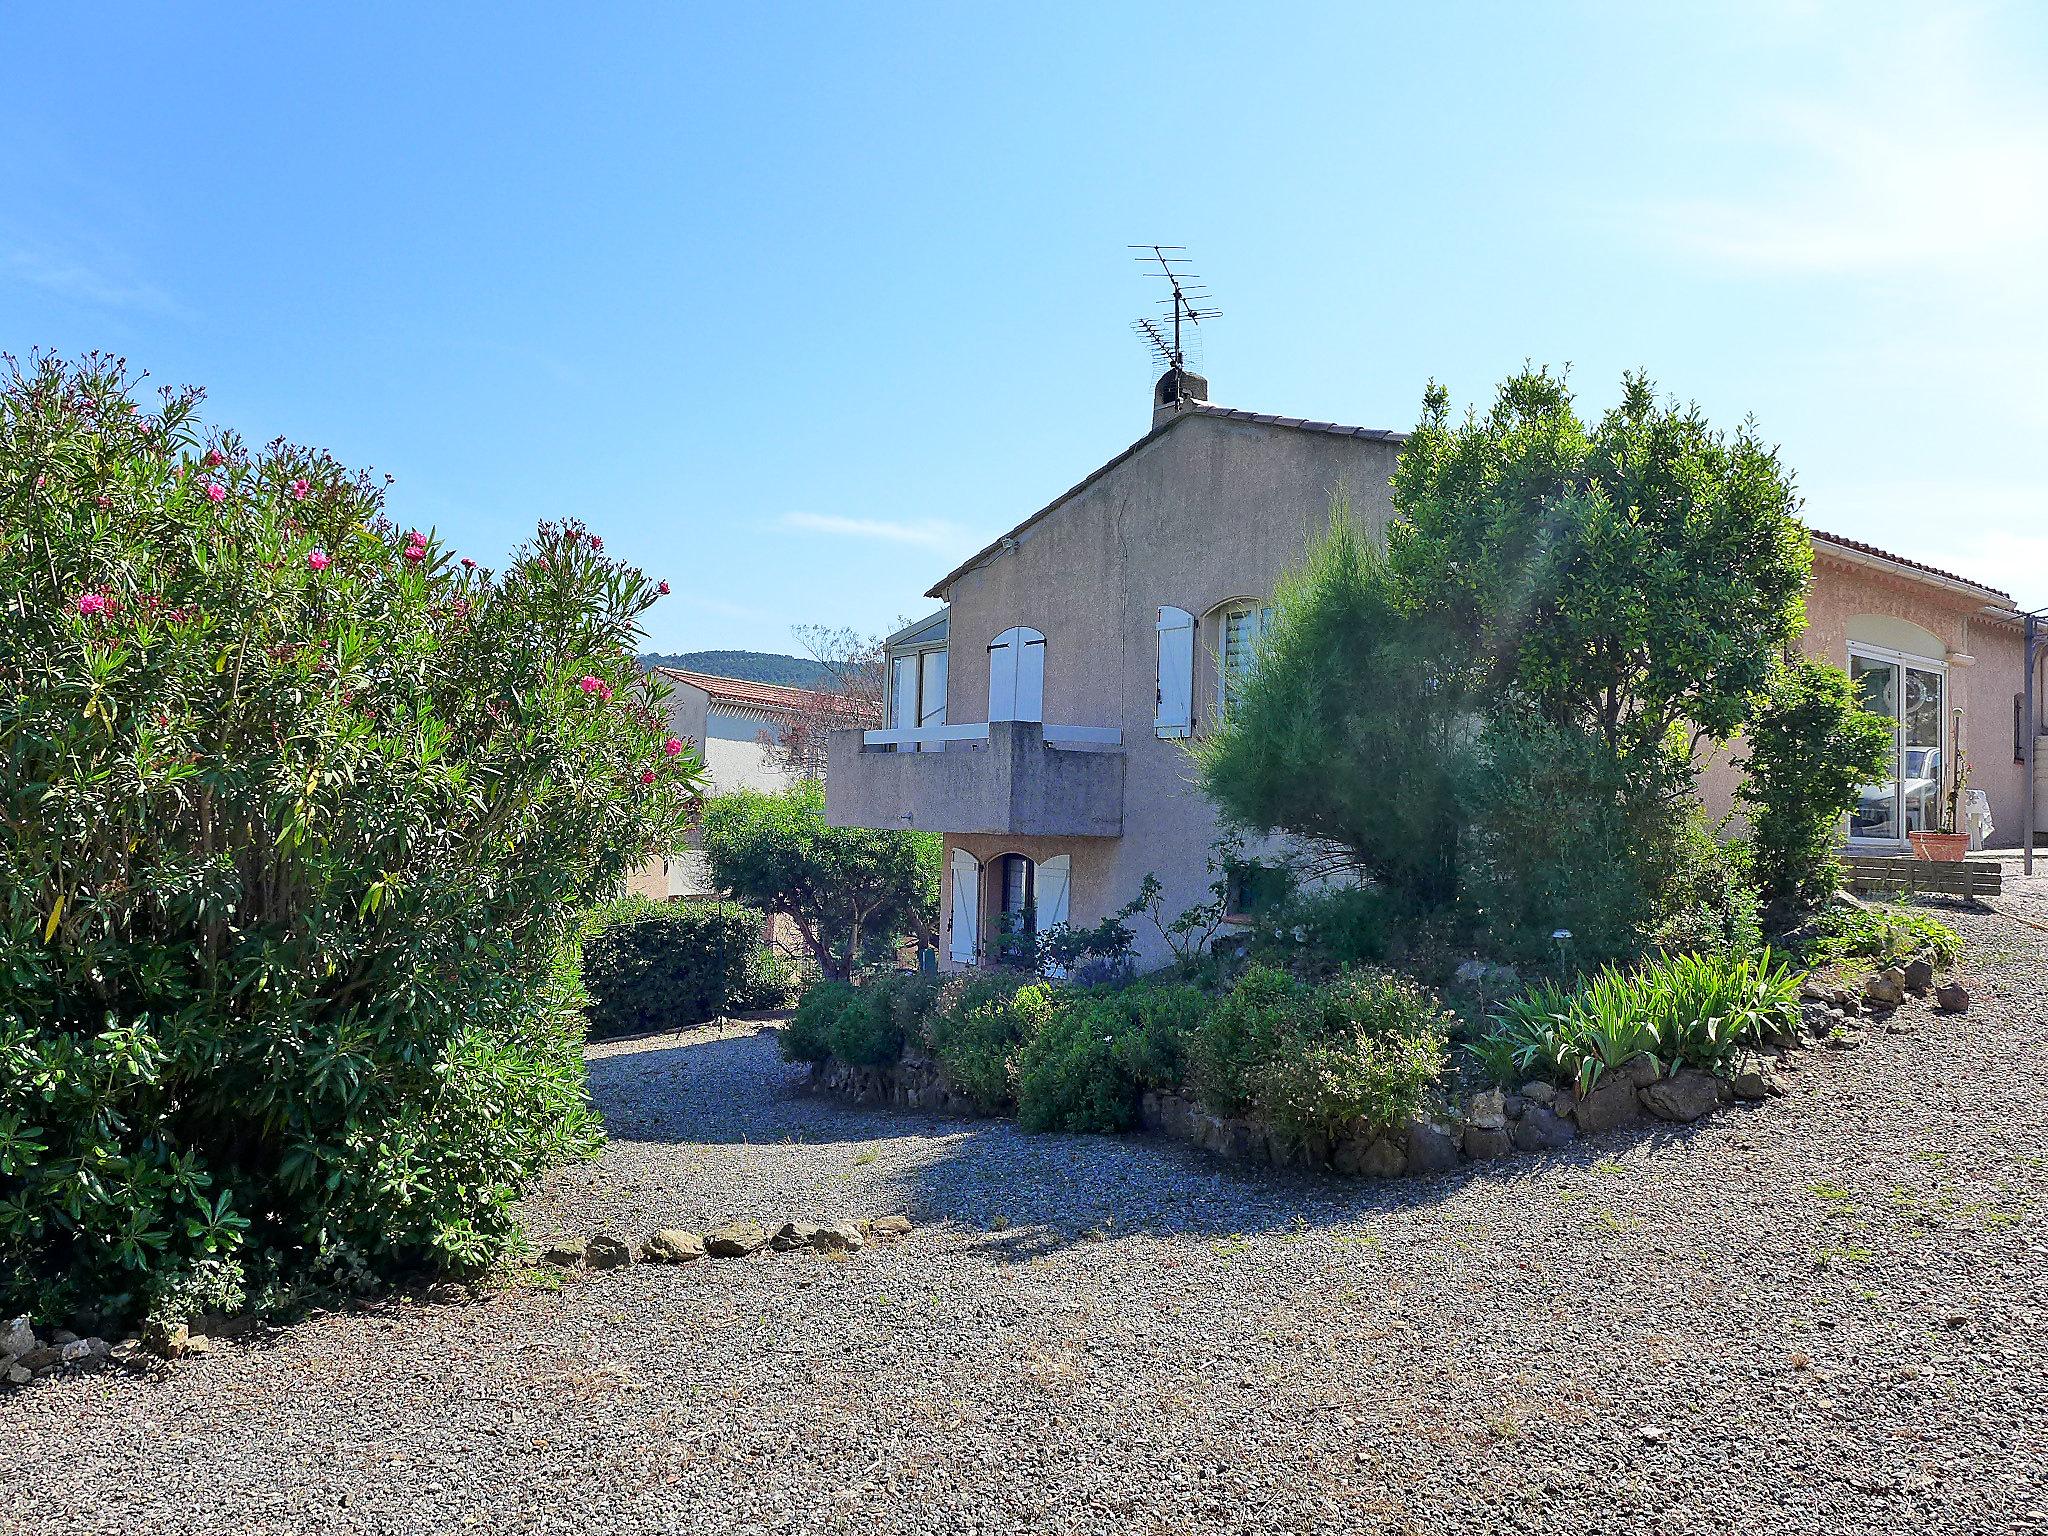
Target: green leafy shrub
813, 1029
1243, 1030
1881, 935
1356, 1053
1566, 836
1098, 1052
1812, 746
1321, 932
668, 964
1710, 902
979, 1030
1693, 1010
866, 1032
1363, 1060
299, 817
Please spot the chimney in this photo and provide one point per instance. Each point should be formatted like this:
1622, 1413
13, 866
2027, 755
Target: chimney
1176, 390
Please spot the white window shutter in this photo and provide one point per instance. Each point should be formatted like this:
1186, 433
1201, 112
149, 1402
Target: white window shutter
1176, 694
1031, 677
966, 907
1016, 676
1052, 891
1002, 677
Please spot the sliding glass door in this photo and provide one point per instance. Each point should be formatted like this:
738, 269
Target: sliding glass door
1910, 692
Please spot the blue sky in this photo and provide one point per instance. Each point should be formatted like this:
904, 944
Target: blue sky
797, 305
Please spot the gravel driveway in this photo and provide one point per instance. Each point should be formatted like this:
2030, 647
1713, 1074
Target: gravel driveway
1822, 1314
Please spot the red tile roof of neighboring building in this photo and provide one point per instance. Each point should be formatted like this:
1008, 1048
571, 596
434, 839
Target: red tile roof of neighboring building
740, 691
1884, 554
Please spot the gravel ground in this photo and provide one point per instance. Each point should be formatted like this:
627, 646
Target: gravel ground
1823, 1314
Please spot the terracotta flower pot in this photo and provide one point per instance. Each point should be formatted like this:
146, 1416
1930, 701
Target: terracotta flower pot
1940, 847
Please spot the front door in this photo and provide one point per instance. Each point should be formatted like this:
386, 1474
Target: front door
1910, 692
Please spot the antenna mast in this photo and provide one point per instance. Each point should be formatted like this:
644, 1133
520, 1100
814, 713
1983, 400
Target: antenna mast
1186, 303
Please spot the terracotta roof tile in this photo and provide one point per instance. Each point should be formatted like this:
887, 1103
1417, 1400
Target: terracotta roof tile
738, 690
1884, 554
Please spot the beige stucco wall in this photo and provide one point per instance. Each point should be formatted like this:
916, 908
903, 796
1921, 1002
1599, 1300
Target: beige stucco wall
1208, 511
1852, 600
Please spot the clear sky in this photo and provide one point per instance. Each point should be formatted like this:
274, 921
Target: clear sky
799, 304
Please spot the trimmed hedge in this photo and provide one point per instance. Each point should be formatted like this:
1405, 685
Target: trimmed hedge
652, 965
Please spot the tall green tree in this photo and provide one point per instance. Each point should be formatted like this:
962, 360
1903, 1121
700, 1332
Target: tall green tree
1628, 578
1345, 729
843, 887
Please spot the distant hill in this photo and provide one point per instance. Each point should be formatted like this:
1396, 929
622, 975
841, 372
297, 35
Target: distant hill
750, 666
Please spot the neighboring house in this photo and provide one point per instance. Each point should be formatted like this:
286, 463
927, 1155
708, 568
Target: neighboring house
734, 724
1039, 720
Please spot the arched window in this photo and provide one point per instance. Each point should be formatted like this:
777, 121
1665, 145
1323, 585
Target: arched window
1016, 675
1239, 626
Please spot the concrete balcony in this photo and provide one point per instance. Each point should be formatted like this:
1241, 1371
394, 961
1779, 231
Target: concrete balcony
1008, 776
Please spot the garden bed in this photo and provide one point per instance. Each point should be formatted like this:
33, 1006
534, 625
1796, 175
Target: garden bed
1450, 1125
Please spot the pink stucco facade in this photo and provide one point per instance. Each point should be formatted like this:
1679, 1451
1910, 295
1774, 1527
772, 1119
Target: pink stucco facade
1862, 599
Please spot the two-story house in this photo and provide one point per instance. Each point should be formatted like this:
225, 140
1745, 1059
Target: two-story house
1040, 719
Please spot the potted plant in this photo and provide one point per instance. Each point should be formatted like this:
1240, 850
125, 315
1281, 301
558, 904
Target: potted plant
1951, 842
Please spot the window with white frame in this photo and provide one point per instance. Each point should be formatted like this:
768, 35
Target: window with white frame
1239, 627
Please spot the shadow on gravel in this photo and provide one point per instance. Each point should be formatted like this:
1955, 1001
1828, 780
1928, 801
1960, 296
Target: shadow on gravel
1032, 1195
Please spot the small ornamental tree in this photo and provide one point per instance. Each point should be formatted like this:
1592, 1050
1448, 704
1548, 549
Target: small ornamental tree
1812, 746
299, 815
847, 889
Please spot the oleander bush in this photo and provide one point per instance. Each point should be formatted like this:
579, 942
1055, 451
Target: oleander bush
669, 964
1692, 1010
299, 817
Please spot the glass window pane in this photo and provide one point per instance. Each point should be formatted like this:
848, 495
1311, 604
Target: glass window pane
1920, 749
1877, 688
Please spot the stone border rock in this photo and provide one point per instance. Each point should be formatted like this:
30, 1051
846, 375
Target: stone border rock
731, 1240
1495, 1123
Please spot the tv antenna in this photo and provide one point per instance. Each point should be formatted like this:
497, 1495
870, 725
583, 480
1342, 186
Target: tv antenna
1186, 303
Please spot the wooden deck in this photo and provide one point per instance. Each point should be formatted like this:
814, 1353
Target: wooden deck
1882, 875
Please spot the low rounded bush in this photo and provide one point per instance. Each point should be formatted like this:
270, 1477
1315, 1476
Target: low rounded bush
669, 964
299, 817
866, 1032
979, 1030
813, 1029
1245, 1029
1361, 1058
1098, 1051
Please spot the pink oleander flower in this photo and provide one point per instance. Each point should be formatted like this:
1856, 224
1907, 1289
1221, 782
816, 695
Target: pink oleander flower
215, 491
214, 458
415, 552
672, 747
90, 603
301, 488
662, 589
468, 564
646, 775
604, 691
596, 542
591, 684
318, 560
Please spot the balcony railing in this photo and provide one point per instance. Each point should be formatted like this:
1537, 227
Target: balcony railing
1005, 776
927, 737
